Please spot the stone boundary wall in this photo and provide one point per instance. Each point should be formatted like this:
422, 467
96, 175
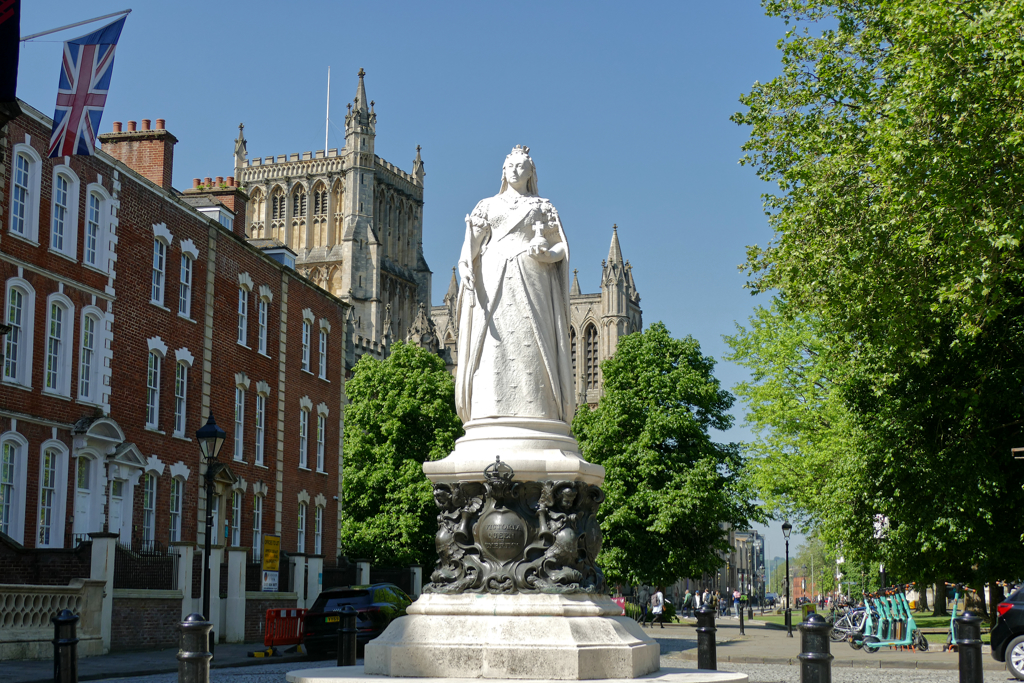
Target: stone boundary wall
145, 619
25, 628
256, 606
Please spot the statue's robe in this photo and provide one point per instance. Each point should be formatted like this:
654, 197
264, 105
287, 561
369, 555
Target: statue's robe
514, 357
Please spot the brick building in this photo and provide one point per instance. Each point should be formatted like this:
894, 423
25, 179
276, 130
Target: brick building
132, 312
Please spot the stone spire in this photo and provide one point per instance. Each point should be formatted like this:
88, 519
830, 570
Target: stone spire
575, 291
453, 289
615, 252
241, 154
360, 100
422, 332
417, 168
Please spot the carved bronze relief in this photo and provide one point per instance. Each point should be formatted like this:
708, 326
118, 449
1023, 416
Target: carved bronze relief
505, 536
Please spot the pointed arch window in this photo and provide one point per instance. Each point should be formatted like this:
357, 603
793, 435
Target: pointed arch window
299, 203
590, 342
572, 349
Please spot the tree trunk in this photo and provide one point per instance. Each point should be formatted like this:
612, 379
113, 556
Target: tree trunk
940, 600
998, 595
922, 601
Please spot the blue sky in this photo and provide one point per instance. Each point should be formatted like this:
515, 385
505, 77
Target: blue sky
625, 107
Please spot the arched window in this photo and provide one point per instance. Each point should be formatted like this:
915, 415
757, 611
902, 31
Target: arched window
59, 322
19, 310
304, 437
236, 518
299, 203
89, 356
53, 477
177, 490
590, 342
153, 389
572, 352
257, 527
242, 384
300, 546
13, 449
64, 216
318, 531
148, 508
25, 193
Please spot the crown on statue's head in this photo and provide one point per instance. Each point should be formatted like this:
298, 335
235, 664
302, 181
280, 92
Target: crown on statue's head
520, 149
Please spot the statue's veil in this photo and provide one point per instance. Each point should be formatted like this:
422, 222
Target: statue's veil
531, 184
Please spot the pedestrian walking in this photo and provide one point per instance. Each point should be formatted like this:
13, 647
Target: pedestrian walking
736, 600
658, 607
688, 603
644, 596
705, 597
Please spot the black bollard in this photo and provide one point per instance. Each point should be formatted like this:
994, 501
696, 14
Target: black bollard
193, 657
739, 608
347, 637
968, 628
815, 658
707, 657
65, 647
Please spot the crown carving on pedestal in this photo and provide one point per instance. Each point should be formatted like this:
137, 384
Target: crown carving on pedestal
499, 472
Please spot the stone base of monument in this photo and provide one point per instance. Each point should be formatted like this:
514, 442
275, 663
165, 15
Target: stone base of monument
539, 636
357, 674
536, 448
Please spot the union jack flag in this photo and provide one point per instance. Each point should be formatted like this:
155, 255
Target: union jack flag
84, 81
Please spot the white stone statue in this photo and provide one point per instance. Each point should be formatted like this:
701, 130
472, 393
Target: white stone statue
513, 356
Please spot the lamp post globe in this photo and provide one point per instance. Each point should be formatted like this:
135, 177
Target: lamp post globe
210, 438
787, 529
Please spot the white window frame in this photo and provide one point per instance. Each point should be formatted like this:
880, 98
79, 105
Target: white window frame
89, 356
321, 431
175, 505
69, 224
54, 526
300, 545
154, 362
236, 518
98, 260
12, 485
25, 223
149, 488
323, 353
304, 438
264, 313
239, 441
318, 531
307, 328
243, 315
159, 284
261, 425
18, 342
185, 286
181, 369
257, 527
57, 367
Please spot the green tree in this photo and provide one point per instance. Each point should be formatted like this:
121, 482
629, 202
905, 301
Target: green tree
894, 137
669, 487
401, 414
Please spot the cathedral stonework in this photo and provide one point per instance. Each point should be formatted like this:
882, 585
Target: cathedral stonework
597, 321
355, 224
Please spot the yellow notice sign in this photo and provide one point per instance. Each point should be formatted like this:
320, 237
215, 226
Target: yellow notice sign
271, 553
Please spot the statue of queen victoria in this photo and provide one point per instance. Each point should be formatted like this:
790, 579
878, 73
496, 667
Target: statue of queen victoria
513, 356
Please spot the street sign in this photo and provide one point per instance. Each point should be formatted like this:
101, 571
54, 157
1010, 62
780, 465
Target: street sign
271, 553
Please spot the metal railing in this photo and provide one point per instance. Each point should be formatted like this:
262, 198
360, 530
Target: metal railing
144, 571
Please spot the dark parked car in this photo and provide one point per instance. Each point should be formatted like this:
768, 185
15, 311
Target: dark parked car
376, 605
1008, 634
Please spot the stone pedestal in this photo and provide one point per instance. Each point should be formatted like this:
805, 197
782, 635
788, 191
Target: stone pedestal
356, 674
534, 636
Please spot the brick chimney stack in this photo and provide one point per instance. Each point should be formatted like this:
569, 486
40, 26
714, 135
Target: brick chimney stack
148, 152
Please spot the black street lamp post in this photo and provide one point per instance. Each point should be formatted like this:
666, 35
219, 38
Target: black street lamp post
210, 438
787, 528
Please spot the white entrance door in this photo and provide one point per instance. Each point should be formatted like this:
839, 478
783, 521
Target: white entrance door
83, 497
117, 508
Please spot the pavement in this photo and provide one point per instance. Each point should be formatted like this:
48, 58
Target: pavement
762, 644
768, 643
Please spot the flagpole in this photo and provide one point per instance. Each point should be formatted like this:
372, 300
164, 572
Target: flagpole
87, 21
327, 126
